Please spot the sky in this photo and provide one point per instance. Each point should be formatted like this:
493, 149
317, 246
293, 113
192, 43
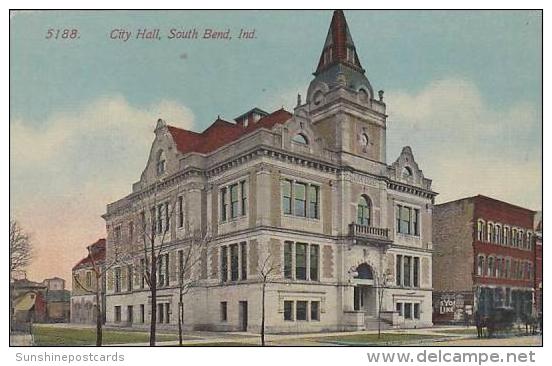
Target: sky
462, 88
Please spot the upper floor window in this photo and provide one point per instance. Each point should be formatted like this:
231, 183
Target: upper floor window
407, 220
301, 139
223, 203
497, 234
490, 231
305, 198
490, 267
118, 234
480, 230
363, 211
180, 211
118, 279
160, 162
480, 265
233, 200
505, 235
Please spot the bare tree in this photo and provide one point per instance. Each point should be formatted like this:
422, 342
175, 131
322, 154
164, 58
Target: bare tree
20, 256
154, 240
382, 282
267, 269
100, 271
20, 247
188, 276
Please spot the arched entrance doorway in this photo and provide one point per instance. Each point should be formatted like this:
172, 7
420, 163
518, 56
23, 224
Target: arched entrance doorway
364, 290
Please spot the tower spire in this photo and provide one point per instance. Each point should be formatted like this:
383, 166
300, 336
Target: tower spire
339, 46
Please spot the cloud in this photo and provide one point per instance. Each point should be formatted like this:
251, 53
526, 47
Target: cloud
468, 146
67, 167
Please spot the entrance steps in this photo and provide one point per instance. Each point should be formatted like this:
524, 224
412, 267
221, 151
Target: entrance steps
371, 323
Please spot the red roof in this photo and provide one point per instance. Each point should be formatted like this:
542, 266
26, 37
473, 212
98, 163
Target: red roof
98, 254
221, 133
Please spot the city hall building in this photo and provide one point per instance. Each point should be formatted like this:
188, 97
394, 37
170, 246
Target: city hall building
310, 189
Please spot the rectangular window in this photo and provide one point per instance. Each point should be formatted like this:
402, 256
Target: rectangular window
243, 254
416, 311
180, 266
143, 272
415, 222
288, 310
243, 190
234, 201
223, 203
407, 266
404, 220
224, 263
167, 219
288, 259
129, 277
301, 310
167, 266
117, 279
407, 310
160, 314
234, 261
399, 270
223, 311
314, 258
153, 221
399, 308
160, 219
416, 274
300, 199
180, 211
117, 314
313, 202
167, 313
286, 197
130, 314
315, 310
301, 261
142, 313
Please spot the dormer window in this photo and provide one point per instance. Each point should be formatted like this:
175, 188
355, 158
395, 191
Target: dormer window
301, 139
160, 162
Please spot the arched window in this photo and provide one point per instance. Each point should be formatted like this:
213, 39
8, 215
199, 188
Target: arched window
480, 230
505, 236
480, 265
407, 173
490, 267
490, 227
160, 162
497, 233
301, 139
364, 272
363, 211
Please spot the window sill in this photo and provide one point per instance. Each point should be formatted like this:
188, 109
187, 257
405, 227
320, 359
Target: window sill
306, 218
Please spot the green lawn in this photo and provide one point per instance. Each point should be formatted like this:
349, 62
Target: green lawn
373, 338
466, 331
221, 344
58, 336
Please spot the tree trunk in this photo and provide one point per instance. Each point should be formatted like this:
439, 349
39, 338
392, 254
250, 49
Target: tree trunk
99, 332
153, 288
180, 317
263, 316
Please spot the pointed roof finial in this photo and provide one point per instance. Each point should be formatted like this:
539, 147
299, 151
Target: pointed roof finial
339, 46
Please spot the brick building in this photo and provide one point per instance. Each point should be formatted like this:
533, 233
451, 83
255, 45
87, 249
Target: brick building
538, 263
83, 301
311, 190
483, 258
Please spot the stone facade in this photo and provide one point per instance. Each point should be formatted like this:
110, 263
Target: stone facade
309, 190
